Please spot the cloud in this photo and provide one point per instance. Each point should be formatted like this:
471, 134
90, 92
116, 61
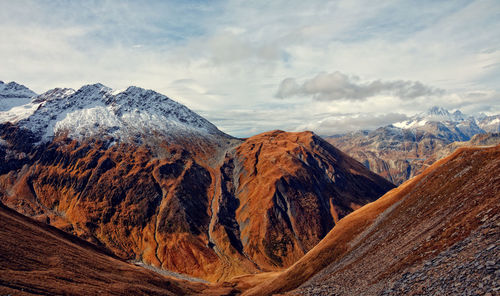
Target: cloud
227, 59
352, 122
338, 86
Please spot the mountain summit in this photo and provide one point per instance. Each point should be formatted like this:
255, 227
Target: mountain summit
434, 114
96, 111
13, 94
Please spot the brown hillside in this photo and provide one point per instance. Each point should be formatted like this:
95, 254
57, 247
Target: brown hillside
211, 210
293, 189
36, 259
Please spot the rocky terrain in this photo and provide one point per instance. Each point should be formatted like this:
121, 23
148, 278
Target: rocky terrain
435, 234
153, 182
479, 140
400, 151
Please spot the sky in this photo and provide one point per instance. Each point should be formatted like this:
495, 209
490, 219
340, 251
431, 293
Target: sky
254, 66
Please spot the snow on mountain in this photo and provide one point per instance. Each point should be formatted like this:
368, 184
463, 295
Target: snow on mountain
454, 126
433, 114
13, 95
95, 110
398, 151
490, 124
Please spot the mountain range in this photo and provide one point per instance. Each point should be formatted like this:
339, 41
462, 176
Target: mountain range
401, 150
129, 192
154, 183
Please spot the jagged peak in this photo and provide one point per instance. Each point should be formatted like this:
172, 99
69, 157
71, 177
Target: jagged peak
436, 110
94, 88
140, 96
15, 90
54, 94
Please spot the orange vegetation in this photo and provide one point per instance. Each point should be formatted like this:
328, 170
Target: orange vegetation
209, 210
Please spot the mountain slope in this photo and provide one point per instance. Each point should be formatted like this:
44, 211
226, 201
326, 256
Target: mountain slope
398, 152
36, 259
148, 179
442, 223
292, 188
490, 124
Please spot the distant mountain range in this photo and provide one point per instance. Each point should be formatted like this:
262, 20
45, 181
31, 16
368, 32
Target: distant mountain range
151, 181
399, 151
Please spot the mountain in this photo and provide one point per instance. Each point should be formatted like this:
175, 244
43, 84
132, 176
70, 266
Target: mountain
15, 101
96, 111
437, 234
37, 259
490, 124
398, 151
149, 180
479, 140
14, 94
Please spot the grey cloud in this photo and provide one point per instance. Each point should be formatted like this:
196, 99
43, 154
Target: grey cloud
338, 86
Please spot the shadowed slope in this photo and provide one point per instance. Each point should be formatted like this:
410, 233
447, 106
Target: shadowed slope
369, 250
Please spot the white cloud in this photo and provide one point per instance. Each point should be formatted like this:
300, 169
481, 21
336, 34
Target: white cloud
353, 122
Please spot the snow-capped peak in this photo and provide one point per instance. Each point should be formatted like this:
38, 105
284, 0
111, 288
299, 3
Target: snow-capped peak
434, 114
458, 116
96, 111
15, 90
54, 94
13, 94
